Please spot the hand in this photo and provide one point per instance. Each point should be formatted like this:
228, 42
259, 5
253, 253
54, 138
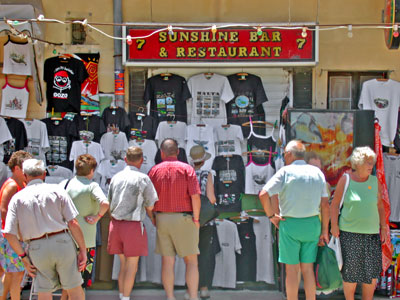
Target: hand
82, 258
153, 220
335, 230
92, 219
29, 267
323, 239
383, 234
276, 219
197, 224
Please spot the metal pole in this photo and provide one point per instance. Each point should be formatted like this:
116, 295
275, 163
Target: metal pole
118, 68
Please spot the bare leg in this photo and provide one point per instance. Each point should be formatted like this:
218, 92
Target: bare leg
192, 275
45, 296
64, 295
75, 293
307, 269
130, 269
349, 289
121, 273
168, 275
368, 290
292, 281
7, 279
15, 287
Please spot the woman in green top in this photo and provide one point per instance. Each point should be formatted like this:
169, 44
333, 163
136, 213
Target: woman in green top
91, 204
361, 225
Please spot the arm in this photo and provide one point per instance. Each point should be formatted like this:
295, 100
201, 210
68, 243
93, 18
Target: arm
334, 208
77, 234
14, 243
98, 195
270, 207
149, 211
196, 204
382, 217
325, 220
8, 192
210, 189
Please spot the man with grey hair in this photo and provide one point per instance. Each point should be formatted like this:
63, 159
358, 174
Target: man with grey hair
302, 196
42, 214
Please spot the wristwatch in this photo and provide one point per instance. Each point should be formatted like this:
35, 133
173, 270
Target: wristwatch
270, 217
21, 256
196, 220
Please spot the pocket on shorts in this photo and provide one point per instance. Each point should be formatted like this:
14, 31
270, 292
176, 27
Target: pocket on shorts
34, 247
62, 241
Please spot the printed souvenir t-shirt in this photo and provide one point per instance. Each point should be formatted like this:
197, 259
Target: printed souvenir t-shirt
5, 135
19, 140
116, 117
392, 175
56, 174
93, 124
171, 130
167, 96
209, 96
203, 136
142, 127
38, 140
64, 78
384, 98
17, 58
149, 149
81, 147
114, 145
107, 169
228, 140
15, 100
248, 100
246, 261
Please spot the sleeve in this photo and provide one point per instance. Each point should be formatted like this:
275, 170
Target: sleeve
239, 133
249, 187
324, 192
100, 153
190, 86
364, 102
73, 154
110, 191
44, 138
68, 209
227, 93
238, 245
5, 134
149, 193
97, 193
47, 72
158, 133
148, 94
11, 225
185, 91
260, 94
193, 183
275, 184
82, 74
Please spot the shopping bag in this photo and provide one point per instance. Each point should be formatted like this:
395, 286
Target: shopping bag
208, 211
334, 244
327, 274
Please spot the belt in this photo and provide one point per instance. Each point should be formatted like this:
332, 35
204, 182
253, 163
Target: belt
175, 212
46, 235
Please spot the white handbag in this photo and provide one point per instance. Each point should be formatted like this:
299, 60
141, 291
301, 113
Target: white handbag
334, 244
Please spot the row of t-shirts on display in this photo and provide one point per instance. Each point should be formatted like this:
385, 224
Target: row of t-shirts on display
244, 254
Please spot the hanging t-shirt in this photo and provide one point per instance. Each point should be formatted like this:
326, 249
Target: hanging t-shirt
225, 260
56, 174
229, 182
246, 260
17, 58
83, 147
5, 135
171, 130
149, 149
209, 96
38, 140
249, 97
392, 175
107, 169
114, 145
14, 101
118, 118
167, 96
19, 140
142, 127
384, 98
228, 139
92, 124
258, 175
265, 256
257, 142
64, 77
62, 133
204, 136
181, 156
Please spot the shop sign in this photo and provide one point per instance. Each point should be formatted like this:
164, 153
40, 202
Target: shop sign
222, 45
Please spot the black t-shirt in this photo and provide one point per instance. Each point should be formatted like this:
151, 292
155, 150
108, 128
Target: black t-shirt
19, 140
260, 143
64, 78
116, 117
61, 136
229, 182
181, 156
167, 96
246, 261
93, 124
142, 126
249, 97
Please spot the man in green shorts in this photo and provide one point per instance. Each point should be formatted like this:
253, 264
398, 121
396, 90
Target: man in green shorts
302, 196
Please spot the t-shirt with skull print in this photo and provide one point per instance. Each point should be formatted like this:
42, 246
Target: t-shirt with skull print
64, 77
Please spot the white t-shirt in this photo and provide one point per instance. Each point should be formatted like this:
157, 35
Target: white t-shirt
384, 98
225, 260
17, 58
81, 147
392, 175
228, 140
204, 136
257, 176
265, 257
107, 169
5, 135
114, 145
38, 140
149, 149
209, 96
57, 174
171, 130
14, 101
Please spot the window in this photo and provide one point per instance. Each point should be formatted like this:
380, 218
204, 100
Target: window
78, 34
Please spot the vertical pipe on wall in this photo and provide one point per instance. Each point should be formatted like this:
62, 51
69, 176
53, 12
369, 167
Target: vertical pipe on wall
118, 68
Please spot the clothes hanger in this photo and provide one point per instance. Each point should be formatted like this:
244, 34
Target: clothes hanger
246, 124
259, 152
242, 75
240, 218
226, 126
141, 112
53, 117
383, 78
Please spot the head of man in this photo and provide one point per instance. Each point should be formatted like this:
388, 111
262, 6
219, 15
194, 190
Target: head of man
169, 148
134, 157
85, 165
34, 169
295, 150
15, 163
314, 159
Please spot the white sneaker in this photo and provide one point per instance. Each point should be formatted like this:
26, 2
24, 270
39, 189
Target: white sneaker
204, 294
187, 297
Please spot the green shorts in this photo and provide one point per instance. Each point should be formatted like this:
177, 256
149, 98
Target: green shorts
298, 240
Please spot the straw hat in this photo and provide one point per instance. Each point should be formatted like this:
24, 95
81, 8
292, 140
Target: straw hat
199, 154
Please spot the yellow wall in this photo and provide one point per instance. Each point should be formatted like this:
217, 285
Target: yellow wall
365, 51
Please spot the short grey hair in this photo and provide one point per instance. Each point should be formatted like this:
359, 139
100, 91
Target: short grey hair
297, 148
360, 155
33, 167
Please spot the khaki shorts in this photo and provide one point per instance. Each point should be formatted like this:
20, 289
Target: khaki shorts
55, 259
176, 234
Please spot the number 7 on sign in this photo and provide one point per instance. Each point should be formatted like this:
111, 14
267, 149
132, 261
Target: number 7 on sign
140, 43
301, 43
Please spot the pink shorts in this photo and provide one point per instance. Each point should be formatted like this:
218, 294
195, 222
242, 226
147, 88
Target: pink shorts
125, 237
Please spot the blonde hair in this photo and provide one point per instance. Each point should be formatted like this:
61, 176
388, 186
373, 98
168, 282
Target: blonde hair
134, 154
360, 155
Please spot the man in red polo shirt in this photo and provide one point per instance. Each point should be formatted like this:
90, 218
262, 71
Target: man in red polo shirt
177, 217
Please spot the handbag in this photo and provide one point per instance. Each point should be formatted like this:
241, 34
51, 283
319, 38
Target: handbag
327, 274
334, 244
208, 211
346, 185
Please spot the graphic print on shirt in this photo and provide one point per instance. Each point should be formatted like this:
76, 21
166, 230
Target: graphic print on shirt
243, 105
18, 58
226, 146
227, 175
14, 104
9, 147
165, 103
62, 82
58, 149
207, 104
33, 147
381, 103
